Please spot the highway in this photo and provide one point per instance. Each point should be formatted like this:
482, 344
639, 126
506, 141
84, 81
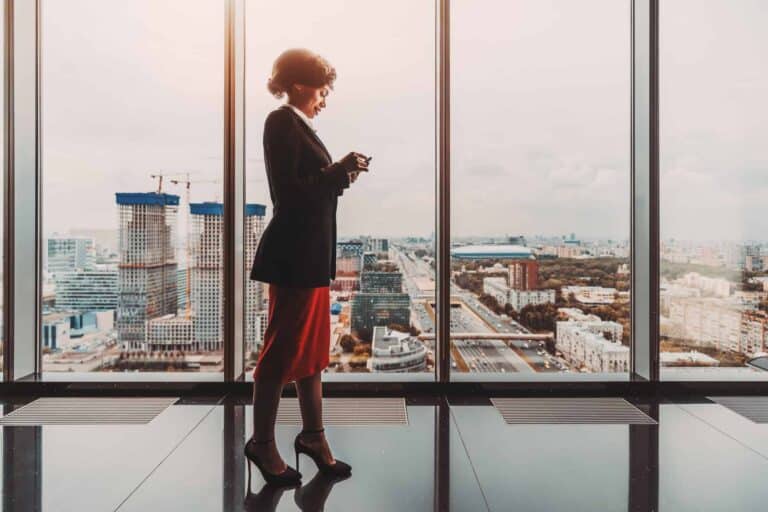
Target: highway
472, 316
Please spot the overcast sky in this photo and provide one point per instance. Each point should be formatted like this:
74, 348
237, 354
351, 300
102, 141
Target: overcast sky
540, 110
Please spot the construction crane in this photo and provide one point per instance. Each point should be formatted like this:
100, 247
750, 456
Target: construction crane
187, 196
159, 177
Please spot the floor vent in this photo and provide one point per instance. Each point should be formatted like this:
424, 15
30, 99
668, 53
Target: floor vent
754, 408
349, 411
87, 411
570, 410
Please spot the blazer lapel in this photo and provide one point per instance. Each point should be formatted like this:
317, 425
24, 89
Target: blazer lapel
311, 133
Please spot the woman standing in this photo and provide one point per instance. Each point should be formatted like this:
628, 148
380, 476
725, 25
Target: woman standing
297, 257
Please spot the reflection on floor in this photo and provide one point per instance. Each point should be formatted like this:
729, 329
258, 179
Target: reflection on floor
700, 457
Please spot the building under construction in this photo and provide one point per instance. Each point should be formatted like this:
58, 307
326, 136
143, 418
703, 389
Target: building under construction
255, 300
149, 316
207, 272
147, 268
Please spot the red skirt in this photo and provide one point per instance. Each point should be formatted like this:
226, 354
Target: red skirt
298, 336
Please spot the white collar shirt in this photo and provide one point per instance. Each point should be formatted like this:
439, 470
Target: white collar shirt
302, 115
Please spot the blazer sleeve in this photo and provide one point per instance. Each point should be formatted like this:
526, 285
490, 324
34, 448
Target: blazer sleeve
282, 146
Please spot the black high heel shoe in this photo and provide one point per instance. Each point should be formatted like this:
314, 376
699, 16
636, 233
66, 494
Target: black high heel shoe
311, 497
266, 500
337, 468
289, 476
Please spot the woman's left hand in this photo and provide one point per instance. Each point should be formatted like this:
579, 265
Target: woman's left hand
353, 176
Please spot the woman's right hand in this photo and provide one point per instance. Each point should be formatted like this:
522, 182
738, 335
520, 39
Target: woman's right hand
354, 162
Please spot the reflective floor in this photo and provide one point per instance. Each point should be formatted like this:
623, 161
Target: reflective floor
457, 456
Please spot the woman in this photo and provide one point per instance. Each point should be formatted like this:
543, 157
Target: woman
297, 257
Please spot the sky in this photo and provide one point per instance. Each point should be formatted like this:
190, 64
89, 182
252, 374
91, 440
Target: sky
540, 110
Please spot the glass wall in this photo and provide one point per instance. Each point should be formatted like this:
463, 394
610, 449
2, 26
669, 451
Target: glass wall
2, 199
383, 105
540, 165
132, 166
714, 249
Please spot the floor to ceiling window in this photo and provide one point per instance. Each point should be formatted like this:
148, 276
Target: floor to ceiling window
383, 105
540, 201
132, 162
714, 254
2, 198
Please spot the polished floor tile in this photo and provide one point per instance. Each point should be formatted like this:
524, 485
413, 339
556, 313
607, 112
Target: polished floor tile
546, 467
702, 469
93, 467
701, 457
393, 469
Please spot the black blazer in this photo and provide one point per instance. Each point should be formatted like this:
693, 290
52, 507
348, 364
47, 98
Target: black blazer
298, 247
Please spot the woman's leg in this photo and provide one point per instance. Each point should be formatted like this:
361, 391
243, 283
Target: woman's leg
310, 392
266, 397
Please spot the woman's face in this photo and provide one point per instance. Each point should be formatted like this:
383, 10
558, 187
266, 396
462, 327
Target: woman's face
310, 100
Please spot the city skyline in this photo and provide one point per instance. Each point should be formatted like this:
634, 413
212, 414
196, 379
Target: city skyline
142, 99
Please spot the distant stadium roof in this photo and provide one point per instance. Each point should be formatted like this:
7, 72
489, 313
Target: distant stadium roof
151, 198
211, 208
479, 252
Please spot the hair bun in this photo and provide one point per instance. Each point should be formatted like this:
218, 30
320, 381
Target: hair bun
299, 66
275, 87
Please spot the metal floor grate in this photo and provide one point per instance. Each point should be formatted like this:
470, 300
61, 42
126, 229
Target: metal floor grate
754, 408
88, 411
570, 410
349, 411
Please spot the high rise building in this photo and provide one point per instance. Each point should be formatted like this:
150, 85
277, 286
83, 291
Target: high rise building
371, 309
381, 282
207, 272
377, 245
751, 259
351, 248
255, 298
87, 290
67, 254
524, 274
369, 260
349, 258
147, 268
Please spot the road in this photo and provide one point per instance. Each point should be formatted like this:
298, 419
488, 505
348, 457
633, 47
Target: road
473, 316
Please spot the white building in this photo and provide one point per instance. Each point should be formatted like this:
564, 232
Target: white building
590, 294
710, 286
687, 359
394, 351
521, 298
584, 344
576, 315
169, 332
497, 287
762, 280
708, 322
67, 254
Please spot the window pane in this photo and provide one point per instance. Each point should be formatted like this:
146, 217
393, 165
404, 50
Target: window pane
540, 179
2, 199
382, 105
714, 257
132, 147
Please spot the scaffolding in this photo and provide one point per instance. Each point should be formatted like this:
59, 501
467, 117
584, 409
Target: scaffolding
147, 266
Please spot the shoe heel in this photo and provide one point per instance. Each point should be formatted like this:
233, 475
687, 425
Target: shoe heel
297, 461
